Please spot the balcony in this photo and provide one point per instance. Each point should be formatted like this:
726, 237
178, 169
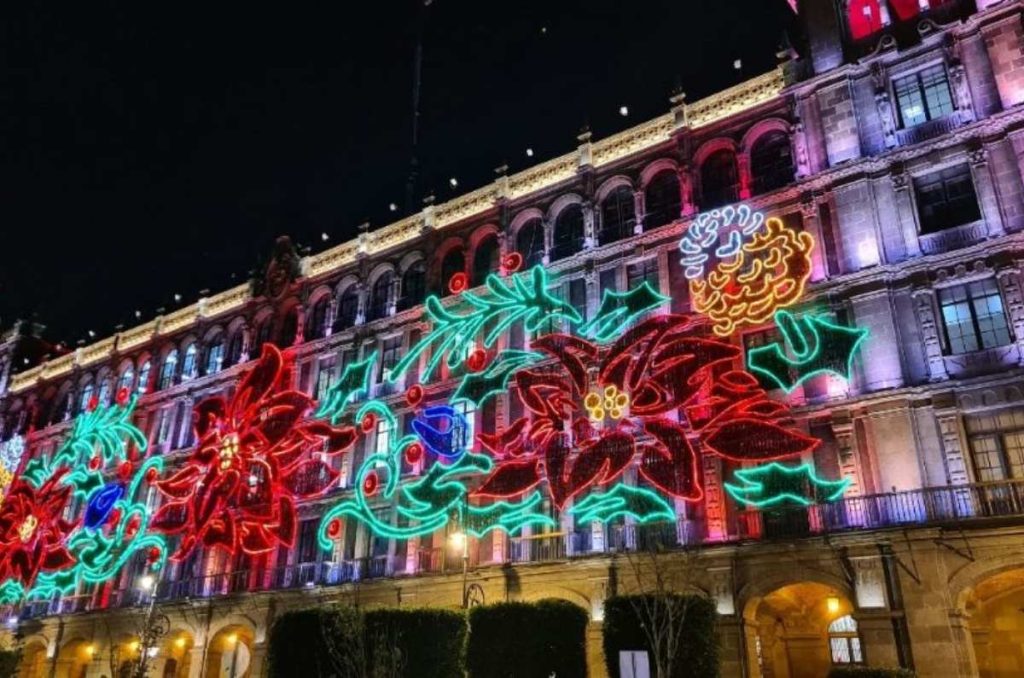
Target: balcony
957, 506
928, 130
952, 239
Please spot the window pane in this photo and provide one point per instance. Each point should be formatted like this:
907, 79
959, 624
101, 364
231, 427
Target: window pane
936, 92
840, 650
946, 199
987, 460
1013, 444
959, 327
910, 101
858, 658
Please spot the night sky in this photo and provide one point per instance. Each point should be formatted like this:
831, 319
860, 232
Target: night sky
153, 150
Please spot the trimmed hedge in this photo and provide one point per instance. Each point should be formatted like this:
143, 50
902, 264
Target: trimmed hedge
524, 639
9, 660
431, 643
869, 672
697, 655
344, 642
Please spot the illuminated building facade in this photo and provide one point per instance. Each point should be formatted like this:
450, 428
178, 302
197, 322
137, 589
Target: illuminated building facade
782, 327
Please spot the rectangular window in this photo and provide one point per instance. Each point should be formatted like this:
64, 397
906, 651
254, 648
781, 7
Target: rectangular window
997, 445
465, 437
923, 96
756, 340
578, 296
391, 351
324, 378
641, 272
308, 546
973, 317
946, 199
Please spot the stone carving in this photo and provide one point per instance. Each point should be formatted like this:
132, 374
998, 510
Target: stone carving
885, 116
962, 93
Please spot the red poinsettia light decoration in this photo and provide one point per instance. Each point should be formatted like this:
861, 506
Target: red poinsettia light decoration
33, 533
256, 454
587, 427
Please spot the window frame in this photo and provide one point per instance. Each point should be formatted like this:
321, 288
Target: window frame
975, 325
922, 92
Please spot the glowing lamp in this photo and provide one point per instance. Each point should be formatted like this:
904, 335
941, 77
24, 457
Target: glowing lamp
90, 650
179, 642
152, 652
146, 582
133, 646
458, 539
231, 640
832, 604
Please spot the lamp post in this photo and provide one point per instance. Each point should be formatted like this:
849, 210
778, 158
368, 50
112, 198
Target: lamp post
153, 627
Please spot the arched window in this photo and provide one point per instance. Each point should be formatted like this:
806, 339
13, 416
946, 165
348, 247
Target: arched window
126, 379
289, 328
144, 377
189, 368
263, 334
414, 286
316, 322
771, 162
530, 243
104, 394
485, 259
568, 235
68, 409
718, 179
618, 215
662, 202
214, 356
234, 354
380, 294
864, 17
85, 397
844, 642
454, 262
348, 307
167, 371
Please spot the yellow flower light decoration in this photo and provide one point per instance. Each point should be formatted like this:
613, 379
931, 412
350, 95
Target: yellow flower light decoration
755, 278
611, 402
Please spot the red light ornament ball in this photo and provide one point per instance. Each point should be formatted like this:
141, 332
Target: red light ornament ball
124, 471
414, 395
414, 453
334, 529
152, 474
476, 360
370, 484
458, 283
93, 403
122, 397
511, 262
153, 555
369, 422
94, 463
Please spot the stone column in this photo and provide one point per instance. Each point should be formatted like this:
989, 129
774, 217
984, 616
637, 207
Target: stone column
877, 637
886, 117
639, 211
801, 157
984, 186
686, 204
924, 306
849, 466
332, 315
1013, 298
809, 214
549, 238
963, 643
961, 93
300, 326
195, 660
743, 169
361, 292
246, 344
906, 212
714, 505
952, 447
589, 226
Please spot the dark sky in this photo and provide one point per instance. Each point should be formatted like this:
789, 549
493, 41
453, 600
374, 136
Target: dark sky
153, 149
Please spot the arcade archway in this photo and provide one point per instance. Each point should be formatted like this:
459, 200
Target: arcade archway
230, 653
996, 619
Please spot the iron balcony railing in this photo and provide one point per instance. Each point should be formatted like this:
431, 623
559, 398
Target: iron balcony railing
956, 505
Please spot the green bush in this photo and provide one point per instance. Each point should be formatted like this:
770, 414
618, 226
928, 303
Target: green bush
9, 660
697, 651
429, 643
869, 672
386, 643
317, 642
524, 639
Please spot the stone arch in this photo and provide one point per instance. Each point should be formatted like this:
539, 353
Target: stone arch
74, 656
34, 657
711, 146
408, 259
561, 202
479, 235
447, 245
565, 593
522, 218
229, 642
610, 185
990, 600
175, 652
379, 270
655, 168
762, 127
345, 283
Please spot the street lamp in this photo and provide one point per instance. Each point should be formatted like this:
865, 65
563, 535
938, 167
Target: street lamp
460, 541
153, 627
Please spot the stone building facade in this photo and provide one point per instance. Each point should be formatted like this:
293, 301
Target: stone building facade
894, 135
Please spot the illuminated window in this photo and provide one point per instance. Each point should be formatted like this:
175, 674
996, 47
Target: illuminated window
126, 378
190, 366
104, 394
844, 642
923, 96
645, 271
235, 348
618, 215
530, 243
144, 377
997, 445
662, 201
263, 334
485, 260
83, 401
973, 316
169, 368
771, 162
391, 352
413, 286
380, 296
215, 356
946, 199
316, 323
864, 18
719, 179
568, 235
465, 436
348, 307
